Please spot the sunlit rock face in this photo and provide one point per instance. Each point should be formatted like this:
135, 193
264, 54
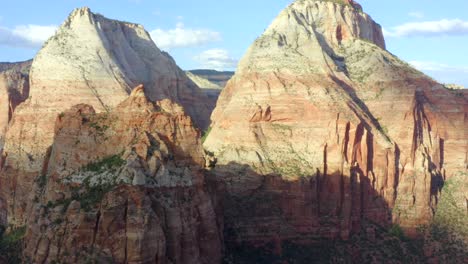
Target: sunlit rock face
91, 60
125, 186
321, 129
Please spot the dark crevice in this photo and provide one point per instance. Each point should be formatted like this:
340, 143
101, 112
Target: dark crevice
397, 172
357, 152
370, 152
346, 142
96, 228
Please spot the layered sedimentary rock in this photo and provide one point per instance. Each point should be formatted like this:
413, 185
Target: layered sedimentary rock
211, 89
217, 77
92, 60
321, 129
125, 186
14, 89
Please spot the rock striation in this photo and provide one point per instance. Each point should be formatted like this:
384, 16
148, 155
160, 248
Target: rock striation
321, 130
217, 77
211, 89
125, 186
14, 89
92, 60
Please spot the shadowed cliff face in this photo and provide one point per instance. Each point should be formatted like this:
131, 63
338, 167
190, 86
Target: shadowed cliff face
14, 89
318, 100
125, 186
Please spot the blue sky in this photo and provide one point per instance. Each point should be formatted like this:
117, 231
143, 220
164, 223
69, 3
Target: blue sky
432, 35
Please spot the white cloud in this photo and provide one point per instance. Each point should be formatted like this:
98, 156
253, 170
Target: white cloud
430, 28
438, 67
218, 59
26, 36
416, 14
182, 37
444, 73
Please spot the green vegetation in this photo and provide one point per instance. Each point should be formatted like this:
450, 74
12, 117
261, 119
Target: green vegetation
205, 134
41, 181
397, 231
107, 164
11, 244
91, 193
449, 229
87, 195
345, 2
359, 248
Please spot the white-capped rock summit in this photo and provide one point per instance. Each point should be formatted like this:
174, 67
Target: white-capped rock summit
331, 130
97, 60
93, 60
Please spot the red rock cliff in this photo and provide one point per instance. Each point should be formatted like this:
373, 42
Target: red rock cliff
322, 129
125, 186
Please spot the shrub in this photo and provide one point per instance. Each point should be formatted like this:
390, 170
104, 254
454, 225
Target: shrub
11, 244
108, 163
396, 231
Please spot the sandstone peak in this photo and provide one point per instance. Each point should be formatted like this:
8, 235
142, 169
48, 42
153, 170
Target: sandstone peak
93, 18
118, 176
308, 35
97, 61
138, 91
329, 127
99, 57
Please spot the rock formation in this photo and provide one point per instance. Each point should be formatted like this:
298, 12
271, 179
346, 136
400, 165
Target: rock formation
14, 89
321, 129
125, 186
217, 77
212, 90
92, 60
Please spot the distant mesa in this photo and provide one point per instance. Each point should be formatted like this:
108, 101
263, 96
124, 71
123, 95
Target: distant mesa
210, 81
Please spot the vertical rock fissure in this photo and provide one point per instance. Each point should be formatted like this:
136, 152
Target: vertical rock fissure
96, 229
357, 152
346, 142
397, 173
317, 190
421, 123
93, 90
370, 153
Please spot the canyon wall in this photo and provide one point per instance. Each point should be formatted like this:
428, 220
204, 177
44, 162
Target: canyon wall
321, 130
125, 186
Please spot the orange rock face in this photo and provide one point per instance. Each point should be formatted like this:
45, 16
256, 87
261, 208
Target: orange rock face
321, 130
84, 63
126, 186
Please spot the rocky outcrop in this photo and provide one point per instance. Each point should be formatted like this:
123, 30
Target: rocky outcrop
99, 57
210, 81
21, 66
212, 90
217, 77
321, 129
92, 60
125, 186
14, 89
